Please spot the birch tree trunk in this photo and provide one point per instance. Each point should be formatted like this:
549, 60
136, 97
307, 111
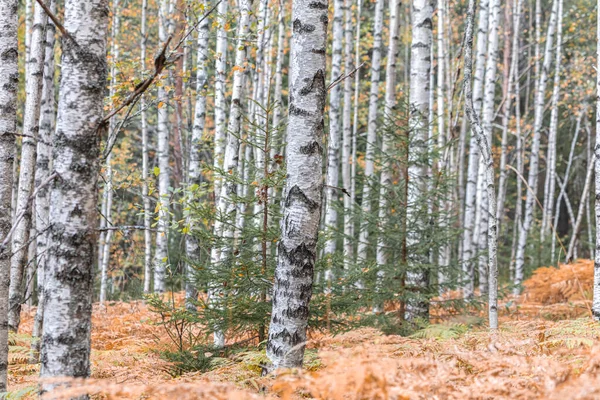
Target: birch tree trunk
68, 280
363, 240
347, 160
489, 96
355, 118
108, 186
226, 207
9, 85
550, 183
596, 290
417, 278
486, 153
43, 166
304, 187
145, 163
571, 252
220, 89
31, 126
192, 248
469, 242
532, 179
161, 253
390, 109
335, 132
513, 74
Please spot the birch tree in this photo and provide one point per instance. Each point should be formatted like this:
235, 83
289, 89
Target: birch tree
145, 161
220, 89
20, 238
469, 243
108, 186
486, 154
596, 299
161, 253
192, 248
226, 206
9, 79
489, 95
532, 179
390, 108
303, 191
347, 160
43, 166
417, 277
72, 236
363, 239
550, 182
335, 130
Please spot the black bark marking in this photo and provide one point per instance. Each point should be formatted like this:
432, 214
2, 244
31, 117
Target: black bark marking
302, 28
317, 6
299, 112
310, 149
427, 23
297, 194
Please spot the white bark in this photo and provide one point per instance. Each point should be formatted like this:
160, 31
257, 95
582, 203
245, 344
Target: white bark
347, 134
9, 79
192, 247
304, 187
145, 163
363, 240
108, 186
390, 109
469, 242
220, 89
572, 252
31, 123
486, 154
532, 179
335, 132
511, 93
226, 207
42, 171
417, 278
489, 96
161, 253
68, 280
596, 289
355, 108
550, 183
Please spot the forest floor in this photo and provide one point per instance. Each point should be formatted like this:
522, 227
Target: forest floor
547, 348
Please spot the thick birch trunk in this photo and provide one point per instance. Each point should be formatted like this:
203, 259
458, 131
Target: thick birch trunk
417, 278
486, 155
31, 126
68, 280
43, 166
161, 254
335, 132
9, 79
532, 179
194, 170
363, 240
304, 187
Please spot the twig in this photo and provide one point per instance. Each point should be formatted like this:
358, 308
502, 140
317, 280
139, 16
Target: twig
125, 228
342, 78
343, 190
